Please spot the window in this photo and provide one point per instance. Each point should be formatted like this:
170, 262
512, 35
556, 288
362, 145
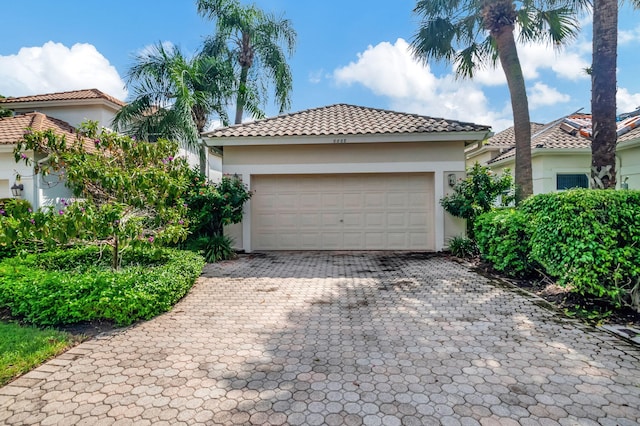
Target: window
571, 181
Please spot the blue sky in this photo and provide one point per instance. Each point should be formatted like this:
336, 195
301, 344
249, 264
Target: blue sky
351, 51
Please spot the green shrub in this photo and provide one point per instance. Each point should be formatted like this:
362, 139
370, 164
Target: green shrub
463, 247
477, 194
589, 239
65, 287
215, 248
503, 239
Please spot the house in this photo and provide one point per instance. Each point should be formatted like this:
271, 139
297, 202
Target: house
61, 112
345, 177
561, 152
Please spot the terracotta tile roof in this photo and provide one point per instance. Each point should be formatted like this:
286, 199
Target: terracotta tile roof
553, 137
64, 96
12, 128
506, 138
343, 119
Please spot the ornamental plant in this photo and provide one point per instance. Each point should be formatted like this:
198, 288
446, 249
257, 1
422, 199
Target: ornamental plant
131, 191
211, 207
478, 193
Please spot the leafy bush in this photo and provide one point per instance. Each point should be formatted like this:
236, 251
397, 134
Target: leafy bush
214, 249
589, 239
477, 194
463, 247
65, 287
503, 239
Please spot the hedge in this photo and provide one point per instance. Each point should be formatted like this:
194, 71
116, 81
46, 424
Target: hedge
76, 285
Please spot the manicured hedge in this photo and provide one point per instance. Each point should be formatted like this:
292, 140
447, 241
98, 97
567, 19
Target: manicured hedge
587, 239
503, 238
70, 286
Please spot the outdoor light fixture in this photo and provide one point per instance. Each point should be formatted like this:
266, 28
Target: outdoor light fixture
452, 179
16, 189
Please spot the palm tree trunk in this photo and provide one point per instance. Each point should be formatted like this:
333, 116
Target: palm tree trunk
603, 94
242, 93
520, 105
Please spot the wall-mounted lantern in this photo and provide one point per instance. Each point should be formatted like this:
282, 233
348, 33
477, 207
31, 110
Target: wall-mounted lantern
452, 179
16, 189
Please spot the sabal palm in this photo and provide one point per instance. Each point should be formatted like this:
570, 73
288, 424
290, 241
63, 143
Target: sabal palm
174, 97
258, 44
475, 33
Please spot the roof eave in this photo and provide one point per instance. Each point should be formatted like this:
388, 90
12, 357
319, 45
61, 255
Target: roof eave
469, 136
536, 152
32, 105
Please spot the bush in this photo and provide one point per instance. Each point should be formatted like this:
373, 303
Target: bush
214, 249
463, 247
503, 239
589, 239
70, 286
477, 194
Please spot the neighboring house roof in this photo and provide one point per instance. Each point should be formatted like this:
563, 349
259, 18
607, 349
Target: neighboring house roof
505, 138
12, 129
557, 135
73, 95
344, 119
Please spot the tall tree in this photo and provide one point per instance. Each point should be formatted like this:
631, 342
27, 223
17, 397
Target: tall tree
472, 33
258, 45
174, 97
603, 94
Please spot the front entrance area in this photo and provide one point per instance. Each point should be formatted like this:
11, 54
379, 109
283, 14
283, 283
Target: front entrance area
381, 211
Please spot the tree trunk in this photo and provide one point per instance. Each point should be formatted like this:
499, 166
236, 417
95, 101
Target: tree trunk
508, 53
603, 94
242, 93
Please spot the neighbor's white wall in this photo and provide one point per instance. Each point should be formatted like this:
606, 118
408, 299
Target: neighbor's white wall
75, 115
9, 169
629, 166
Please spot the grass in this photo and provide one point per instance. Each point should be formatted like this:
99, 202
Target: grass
23, 348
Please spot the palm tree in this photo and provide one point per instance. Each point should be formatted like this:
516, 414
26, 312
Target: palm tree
174, 97
472, 33
603, 94
258, 44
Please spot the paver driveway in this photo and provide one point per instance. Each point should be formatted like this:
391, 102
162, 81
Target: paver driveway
339, 338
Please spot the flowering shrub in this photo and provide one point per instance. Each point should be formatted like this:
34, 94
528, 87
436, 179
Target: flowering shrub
133, 191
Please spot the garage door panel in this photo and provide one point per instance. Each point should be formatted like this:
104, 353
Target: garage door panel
334, 212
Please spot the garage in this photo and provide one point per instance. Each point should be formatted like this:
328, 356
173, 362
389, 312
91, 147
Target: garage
384, 211
345, 177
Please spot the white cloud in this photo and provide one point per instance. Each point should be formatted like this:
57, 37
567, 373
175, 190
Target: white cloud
316, 77
55, 68
541, 95
389, 70
628, 36
626, 101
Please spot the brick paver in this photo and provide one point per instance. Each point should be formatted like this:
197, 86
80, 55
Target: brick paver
339, 338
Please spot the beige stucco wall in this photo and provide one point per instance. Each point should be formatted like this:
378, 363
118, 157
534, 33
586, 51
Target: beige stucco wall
453, 226
344, 153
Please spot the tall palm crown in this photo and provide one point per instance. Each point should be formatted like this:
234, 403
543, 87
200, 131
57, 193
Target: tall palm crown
174, 97
258, 45
472, 34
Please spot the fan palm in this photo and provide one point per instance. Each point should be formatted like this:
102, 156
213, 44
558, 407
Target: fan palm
174, 97
258, 45
474, 33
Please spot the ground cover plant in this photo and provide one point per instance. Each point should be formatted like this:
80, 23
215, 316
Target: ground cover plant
584, 244
77, 285
23, 348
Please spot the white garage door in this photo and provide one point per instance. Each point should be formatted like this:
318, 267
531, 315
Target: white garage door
391, 211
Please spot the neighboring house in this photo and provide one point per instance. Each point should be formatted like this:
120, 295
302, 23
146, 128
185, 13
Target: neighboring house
561, 153
62, 112
39, 192
345, 177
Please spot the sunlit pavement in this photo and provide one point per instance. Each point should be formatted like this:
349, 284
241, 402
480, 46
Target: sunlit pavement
339, 338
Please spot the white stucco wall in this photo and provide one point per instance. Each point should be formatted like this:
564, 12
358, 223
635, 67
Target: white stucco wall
75, 115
